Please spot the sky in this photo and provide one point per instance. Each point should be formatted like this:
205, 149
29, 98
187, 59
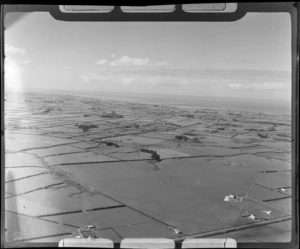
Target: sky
248, 58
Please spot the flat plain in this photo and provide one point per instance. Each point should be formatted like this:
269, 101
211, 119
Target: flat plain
143, 170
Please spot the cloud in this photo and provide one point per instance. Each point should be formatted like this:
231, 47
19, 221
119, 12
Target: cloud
126, 80
101, 62
85, 78
161, 63
113, 55
89, 78
133, 79
193, 80
257, 86
26, 61
236, 86
9, 49
129, 61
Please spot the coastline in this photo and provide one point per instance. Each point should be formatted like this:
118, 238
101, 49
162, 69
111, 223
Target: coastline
126, 98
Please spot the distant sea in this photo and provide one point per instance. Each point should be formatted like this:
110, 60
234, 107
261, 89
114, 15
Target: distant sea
217, 103
194, 102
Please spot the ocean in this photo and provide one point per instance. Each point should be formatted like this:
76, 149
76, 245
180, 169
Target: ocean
195, 102
201, 102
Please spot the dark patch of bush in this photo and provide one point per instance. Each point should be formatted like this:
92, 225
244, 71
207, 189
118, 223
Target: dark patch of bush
153, 153
262, 135
181, 138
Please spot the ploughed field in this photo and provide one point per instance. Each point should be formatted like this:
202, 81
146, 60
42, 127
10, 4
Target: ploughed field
143, 170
